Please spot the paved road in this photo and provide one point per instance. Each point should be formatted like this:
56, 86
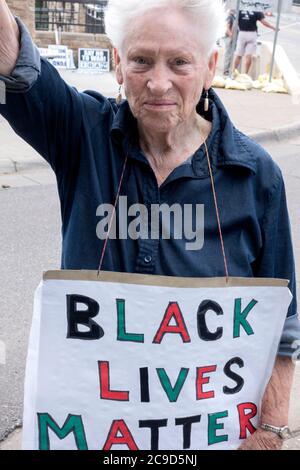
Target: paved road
30, 243
289, 36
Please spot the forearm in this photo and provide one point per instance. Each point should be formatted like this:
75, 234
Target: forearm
9, 40
275, 407
268, 25
275, 403
228, 32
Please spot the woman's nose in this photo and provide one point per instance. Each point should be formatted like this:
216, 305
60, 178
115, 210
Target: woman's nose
159, 82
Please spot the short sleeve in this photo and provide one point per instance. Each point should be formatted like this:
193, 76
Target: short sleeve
260, 16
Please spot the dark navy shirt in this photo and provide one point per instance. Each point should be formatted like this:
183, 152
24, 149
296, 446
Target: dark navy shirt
248, 20
86, 137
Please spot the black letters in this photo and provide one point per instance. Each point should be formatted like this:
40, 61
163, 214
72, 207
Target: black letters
154, 425
144, 379
82, 317
187, 428
232, 375
203, 331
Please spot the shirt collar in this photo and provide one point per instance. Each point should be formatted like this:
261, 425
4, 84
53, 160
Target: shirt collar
233, 149
226, 144
124, 128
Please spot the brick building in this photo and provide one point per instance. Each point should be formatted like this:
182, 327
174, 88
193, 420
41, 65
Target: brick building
79, 22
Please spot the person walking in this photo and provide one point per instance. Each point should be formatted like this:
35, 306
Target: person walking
230, 42
247, 38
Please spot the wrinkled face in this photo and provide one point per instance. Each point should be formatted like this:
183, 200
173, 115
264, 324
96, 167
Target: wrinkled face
163, 68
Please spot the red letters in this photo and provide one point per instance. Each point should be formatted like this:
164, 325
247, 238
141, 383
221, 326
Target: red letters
105, 391
125, 438
173, 311
245, 418
200, 381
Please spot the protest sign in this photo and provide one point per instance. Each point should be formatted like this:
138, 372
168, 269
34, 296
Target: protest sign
59, 55
94, 59
126, 361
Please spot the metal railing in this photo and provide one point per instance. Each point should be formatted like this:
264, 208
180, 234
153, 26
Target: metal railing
71, 16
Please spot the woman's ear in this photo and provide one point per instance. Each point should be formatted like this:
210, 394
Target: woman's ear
212, 65
119, 74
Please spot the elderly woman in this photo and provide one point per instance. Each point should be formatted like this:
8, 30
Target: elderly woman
170, 142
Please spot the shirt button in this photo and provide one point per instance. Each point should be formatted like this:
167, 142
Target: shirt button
148, 259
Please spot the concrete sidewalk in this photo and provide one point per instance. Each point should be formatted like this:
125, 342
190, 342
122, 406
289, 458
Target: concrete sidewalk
260, 115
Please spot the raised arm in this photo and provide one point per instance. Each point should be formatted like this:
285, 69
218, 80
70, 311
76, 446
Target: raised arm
267, 24
51, 116
9, 40
40, 107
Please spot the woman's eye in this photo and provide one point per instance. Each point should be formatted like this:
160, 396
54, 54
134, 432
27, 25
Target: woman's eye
140, 61
179, 62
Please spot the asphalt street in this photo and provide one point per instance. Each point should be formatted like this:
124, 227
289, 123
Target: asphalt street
30, 243
289, 35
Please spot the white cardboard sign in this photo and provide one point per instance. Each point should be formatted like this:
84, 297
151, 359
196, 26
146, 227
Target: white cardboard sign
145, 362
59, 55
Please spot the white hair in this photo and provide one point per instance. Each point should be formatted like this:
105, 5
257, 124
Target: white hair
208, 13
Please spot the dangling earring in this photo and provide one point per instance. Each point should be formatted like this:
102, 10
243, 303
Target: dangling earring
119, 96
206, 102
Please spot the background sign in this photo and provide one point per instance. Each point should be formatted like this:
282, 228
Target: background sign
59, 55
143, 362
94, 59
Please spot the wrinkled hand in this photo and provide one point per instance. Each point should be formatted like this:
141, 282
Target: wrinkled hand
262, 440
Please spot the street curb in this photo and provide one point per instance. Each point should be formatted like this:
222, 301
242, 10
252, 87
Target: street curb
278, 134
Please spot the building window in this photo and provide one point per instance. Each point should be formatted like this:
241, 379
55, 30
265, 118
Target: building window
72, 16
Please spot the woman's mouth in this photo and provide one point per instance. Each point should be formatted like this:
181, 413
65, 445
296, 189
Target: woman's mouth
159, 104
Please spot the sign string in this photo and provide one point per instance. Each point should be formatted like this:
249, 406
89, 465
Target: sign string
216, 209
217, 212
112, 216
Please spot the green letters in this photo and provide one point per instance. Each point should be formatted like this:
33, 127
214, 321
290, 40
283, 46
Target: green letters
240, 318
122, 334
72, 424
172, 392
213, 426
